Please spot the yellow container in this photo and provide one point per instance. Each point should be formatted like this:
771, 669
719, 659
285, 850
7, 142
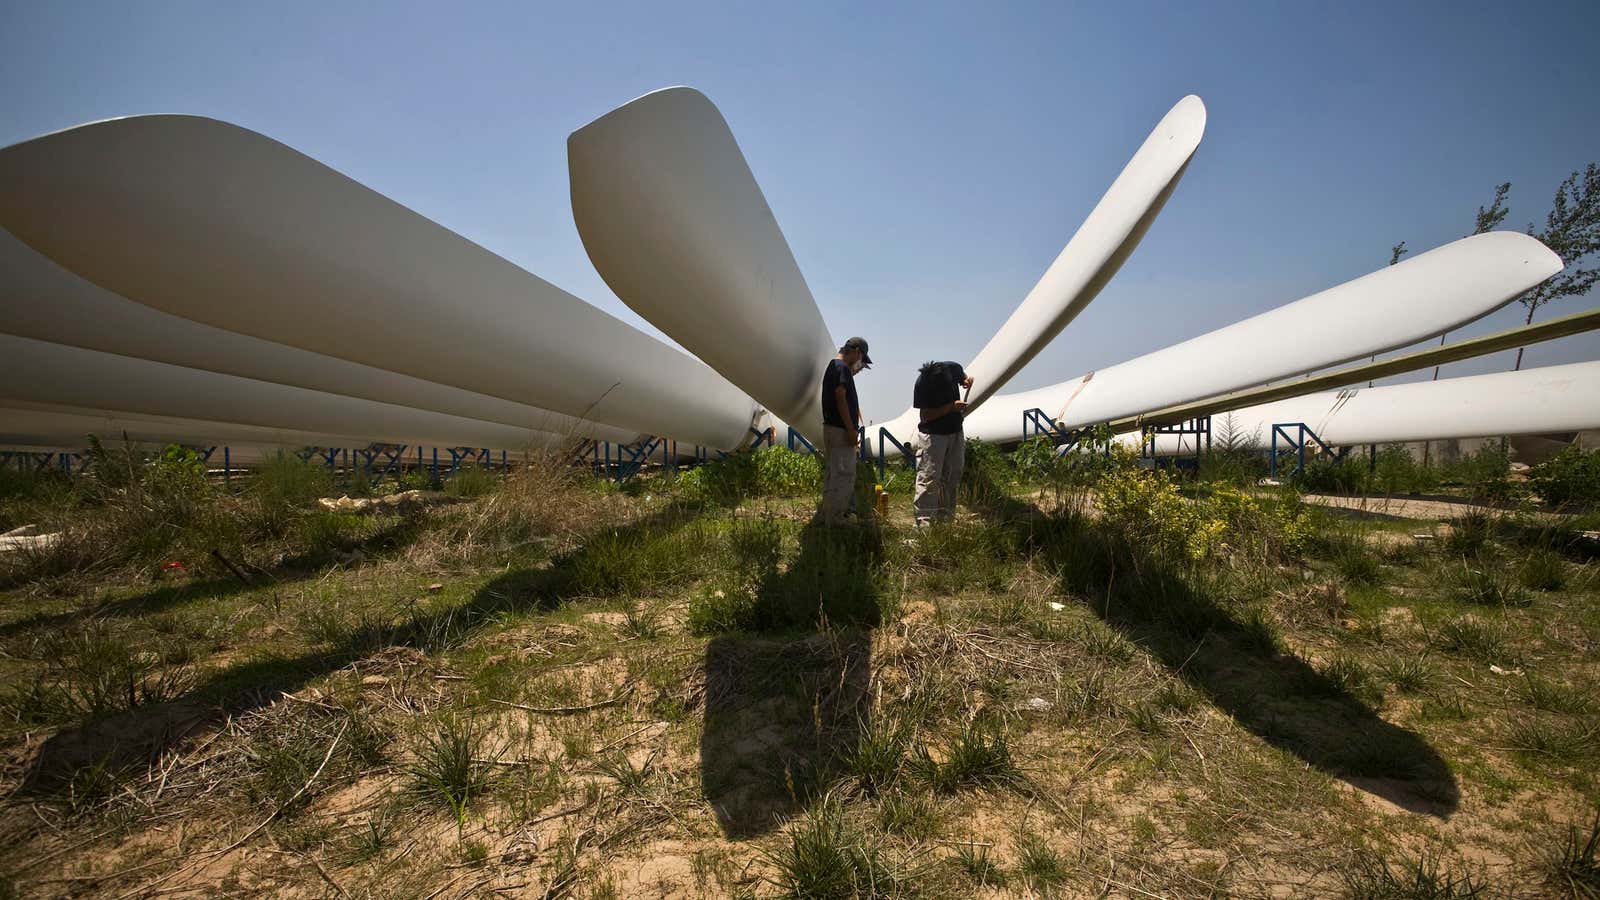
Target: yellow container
883, 500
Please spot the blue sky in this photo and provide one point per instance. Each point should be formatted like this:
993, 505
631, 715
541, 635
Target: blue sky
926, 161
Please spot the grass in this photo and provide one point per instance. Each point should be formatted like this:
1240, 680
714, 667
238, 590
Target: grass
1038, 863
826, 857
1574, 866
1475, 638
974, 862
1543, 570
1486, 586
978, 756
684, 688
449, 769
1410, 674
1425, 877
879, 754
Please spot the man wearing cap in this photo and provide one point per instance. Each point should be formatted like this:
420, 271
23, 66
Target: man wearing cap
841, 420
940, 409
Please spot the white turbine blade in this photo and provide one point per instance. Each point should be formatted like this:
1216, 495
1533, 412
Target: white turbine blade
63, 426
71, 376
41, 300
218, 224
1532, 401
1430, 293
675, 223
1096, 251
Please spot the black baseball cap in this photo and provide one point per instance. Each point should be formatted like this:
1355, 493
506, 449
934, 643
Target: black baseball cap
858, 343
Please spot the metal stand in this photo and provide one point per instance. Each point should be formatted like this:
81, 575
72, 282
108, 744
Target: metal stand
1040, 424
1297, 442
1199, 427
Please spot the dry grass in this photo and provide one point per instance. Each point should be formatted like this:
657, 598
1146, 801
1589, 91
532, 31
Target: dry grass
528, 692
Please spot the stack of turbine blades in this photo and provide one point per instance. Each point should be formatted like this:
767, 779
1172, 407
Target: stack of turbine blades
1532, 401
42, 301
43, 372
67, 427
673, 220
217, 224
1096, 251
1419, 298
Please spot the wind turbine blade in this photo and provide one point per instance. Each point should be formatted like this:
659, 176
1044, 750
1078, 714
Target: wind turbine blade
1532, 401
66, 426
1393, 307
219, 224
56, 374
41, 300
1470, 348
675, 223
1096, 251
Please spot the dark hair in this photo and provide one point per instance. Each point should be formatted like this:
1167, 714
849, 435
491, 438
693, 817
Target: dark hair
931, 368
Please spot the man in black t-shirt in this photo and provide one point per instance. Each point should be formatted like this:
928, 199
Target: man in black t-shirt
841, 421
937, 397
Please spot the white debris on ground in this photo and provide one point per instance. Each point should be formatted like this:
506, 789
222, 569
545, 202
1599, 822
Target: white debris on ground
401, 501
27, 537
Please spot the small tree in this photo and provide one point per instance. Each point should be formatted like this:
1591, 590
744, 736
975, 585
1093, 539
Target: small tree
1572, 230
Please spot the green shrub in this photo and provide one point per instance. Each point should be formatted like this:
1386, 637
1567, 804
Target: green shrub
766, 470
1543, 570
1325, 474
1398, 471
1570, 478
325, 532
1487, 586
1485, 472
282, 487
827, 857
471, 481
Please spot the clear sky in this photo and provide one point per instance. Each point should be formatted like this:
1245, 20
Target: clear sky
925, 161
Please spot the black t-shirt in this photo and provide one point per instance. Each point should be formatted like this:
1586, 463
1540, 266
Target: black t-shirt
940, 384
838, 375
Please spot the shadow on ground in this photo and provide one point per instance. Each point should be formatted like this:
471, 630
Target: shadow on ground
1273, 693
785, 699
141, 734
299, 567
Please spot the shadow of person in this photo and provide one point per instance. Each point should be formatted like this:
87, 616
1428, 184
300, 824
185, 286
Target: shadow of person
141, 734
1238, 665
788, 695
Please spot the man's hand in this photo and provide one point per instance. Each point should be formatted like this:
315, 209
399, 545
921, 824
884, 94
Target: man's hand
961, 406
967, 382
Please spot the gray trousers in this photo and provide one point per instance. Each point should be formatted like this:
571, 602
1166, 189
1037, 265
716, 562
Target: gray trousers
838, 474
939, 476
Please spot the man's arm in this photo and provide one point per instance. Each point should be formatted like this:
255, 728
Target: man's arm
841, 399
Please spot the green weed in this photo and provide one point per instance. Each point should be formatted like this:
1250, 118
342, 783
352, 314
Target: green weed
1039, 864
978, 757
1574, 866
825, 857
878, 755
449, 767
1543, 570
1371, 877
974, 862
1475, 638
1486, 586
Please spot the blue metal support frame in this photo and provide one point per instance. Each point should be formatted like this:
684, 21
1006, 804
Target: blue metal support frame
1041, 424
1200, 427
392, 455
797, 437
1296, 442
909, 454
